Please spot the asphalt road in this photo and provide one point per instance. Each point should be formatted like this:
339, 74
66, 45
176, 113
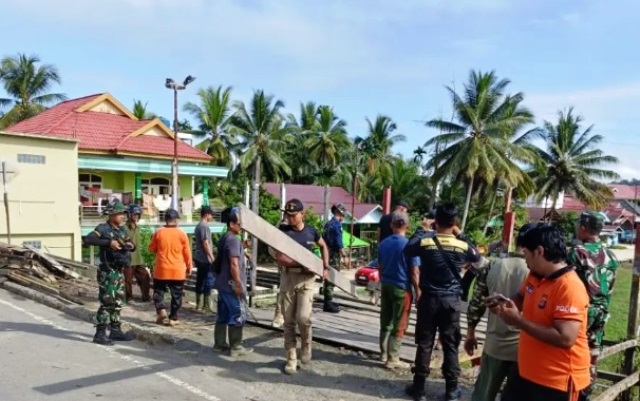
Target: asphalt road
47, 355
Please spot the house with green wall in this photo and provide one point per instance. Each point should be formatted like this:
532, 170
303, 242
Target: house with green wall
123, 157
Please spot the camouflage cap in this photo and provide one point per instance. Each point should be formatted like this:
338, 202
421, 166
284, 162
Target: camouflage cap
116, 207
339, 208
592, 220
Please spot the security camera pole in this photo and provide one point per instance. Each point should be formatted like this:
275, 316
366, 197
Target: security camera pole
171, 84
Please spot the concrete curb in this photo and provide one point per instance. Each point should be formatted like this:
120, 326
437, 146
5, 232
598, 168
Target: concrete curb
144, 334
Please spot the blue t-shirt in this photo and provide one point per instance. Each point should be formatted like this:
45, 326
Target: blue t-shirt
394, 266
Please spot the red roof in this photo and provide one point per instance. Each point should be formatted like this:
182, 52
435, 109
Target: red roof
98, 131
312, 196
625, 191
571, 203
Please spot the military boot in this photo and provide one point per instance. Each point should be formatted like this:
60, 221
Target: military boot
305, 354
117, 334
384, 346
206, 304
416, 390
330, 307
292, 363
235, 343
220, 338
101, 335
198, 299
452, 392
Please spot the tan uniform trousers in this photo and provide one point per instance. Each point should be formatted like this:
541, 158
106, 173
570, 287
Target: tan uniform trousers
296, 294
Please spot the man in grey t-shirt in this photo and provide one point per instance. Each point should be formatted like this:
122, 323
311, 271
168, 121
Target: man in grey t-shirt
203, 257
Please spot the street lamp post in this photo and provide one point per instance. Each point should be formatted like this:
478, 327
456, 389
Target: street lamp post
175, 86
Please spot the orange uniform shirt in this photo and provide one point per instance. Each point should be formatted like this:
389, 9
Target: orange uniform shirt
173, 253
562, 297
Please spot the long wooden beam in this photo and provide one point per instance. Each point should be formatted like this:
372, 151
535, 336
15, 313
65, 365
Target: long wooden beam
281, 242
614, 349
614, 391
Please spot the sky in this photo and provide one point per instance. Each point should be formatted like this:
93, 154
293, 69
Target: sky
362, 57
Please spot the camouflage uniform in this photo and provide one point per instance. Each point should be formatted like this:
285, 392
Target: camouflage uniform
110, 273
596, 266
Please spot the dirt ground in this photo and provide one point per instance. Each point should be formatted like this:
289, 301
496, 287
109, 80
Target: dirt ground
334, 374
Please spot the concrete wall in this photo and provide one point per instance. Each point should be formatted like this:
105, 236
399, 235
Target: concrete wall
43, 198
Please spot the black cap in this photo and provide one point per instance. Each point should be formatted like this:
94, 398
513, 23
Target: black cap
338, 208
430, 215
403, 204
171, 214
206, 210
293, 206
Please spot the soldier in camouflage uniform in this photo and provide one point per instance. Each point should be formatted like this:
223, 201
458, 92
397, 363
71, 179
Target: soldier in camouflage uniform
596, 265
115, 254
332, 235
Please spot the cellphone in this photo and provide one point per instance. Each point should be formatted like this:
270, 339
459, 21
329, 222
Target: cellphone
497, 298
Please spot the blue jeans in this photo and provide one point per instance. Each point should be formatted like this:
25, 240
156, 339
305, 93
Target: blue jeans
204, 278
230, 311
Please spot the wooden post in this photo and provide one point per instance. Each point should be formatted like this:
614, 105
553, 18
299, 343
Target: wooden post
632, 322
327, 203
5, 182
255, 205
507, 230
247, 192
283, 199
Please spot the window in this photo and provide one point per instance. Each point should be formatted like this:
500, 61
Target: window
87, 181
35, 244
31, 159
156, 186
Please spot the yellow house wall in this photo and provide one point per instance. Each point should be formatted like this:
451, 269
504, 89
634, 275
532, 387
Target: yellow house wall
43, 198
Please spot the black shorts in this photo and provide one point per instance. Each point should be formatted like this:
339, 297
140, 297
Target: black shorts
520, 389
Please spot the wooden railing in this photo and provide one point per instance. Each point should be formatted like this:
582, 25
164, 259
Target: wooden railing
621, 382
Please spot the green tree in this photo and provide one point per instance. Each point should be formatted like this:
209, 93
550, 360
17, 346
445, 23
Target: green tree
27, 82
480, 147
325, 142
139, 110
572, 163
213, 116
377, 147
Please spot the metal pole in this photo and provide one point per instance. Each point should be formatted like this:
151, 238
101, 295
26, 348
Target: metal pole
255, 208
174, 172
6, 200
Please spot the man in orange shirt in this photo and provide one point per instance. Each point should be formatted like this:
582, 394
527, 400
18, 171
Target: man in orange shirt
173, 263
553, 353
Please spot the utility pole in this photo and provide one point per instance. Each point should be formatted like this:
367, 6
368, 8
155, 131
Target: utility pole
171, 84
353, 199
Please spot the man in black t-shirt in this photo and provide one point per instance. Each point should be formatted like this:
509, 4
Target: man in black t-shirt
297, 285
384, 227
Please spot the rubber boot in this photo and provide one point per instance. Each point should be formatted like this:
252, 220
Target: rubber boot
117, 334
384, 346
452, 392
292, 363
206, 304
235, 342
331, 307
101, 335
220, 338
416, 390
198, 299
393, 360
161, 316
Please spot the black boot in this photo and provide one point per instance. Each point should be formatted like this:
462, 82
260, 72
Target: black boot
416, 390
101, 335
453, 393
331, 307
117, 334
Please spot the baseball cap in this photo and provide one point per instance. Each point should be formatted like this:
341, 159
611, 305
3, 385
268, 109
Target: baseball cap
293, 206
431, 215
592, 220
206, 210
338, 208
399, 219
171, 214
403, 204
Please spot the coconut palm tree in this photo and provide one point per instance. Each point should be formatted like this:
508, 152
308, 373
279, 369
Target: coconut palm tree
28, 83
213, 117
303, 170
139, 110
572, 163
479, 146
325, 142
377, 147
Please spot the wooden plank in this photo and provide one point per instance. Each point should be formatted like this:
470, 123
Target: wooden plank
613, 392
614, 377
52, 263
614, 349
272, 236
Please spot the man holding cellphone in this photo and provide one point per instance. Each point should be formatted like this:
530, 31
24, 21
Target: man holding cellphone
500, 352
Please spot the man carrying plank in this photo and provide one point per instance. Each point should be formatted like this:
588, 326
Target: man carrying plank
297, 285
